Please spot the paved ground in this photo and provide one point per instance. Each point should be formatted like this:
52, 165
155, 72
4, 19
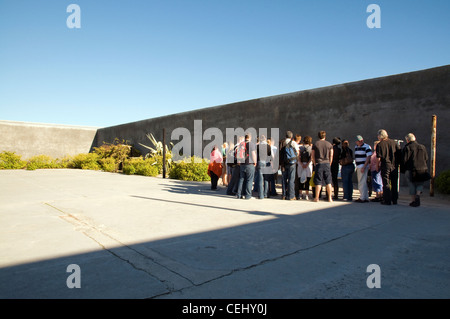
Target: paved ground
143, 237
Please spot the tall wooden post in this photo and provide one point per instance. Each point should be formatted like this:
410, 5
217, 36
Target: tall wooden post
433, 154
164, 153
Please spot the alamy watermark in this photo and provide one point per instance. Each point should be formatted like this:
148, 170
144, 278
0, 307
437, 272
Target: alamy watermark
74, 280
374, 19
74, 19
374, 279
183, 149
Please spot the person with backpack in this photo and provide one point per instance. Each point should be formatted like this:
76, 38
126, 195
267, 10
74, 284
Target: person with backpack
246, 158
415, 167
305, 167
288, 161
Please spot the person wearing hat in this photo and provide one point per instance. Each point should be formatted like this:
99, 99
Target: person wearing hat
363, 153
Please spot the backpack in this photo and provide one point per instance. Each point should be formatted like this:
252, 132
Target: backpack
241, 152
289, 154
230, 158
347, 160
305, 154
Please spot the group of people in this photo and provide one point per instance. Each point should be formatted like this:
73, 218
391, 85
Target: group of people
253, 167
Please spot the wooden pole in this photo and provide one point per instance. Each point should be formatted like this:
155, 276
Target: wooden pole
433, 154
164, 153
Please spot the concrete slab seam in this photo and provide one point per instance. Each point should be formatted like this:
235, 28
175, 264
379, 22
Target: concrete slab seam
76, 221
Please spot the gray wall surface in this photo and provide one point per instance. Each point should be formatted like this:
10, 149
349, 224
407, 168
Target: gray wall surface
57, 141
400, 104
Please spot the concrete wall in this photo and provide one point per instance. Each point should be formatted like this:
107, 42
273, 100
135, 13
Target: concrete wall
400, 104
30, 139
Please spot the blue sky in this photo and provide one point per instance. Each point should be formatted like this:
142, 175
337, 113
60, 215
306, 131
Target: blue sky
133, 60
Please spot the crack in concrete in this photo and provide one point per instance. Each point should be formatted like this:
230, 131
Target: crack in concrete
269, 260
77, 221
167, 283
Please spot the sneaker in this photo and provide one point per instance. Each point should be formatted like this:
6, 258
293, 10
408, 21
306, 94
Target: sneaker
306, 197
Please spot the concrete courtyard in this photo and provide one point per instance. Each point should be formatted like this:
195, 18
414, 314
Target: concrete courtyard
136, 237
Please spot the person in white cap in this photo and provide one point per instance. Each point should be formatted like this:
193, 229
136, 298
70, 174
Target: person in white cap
363, 152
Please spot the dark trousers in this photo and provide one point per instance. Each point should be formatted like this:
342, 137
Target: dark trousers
334, 178
389, 176
271, 181
214, 180
233, 183
272, 184
247, 174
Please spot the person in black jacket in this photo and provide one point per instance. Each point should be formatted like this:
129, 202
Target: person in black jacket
388, 155
335, 165
347, 169
414, 165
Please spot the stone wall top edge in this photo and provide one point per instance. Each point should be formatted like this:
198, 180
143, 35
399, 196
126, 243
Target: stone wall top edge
47, 125
443, 69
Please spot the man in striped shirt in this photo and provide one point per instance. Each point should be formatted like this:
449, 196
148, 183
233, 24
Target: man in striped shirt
363, 152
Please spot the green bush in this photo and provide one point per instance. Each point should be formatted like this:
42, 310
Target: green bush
119, 151
85, 161
140, 166
128, 168
10, 160
157, 160
442, 182
65, 162
41, 162
193, 169
108, 164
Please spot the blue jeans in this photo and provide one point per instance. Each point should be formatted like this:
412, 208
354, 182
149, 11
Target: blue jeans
262, 180
247, 173
347, 180
288, 181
